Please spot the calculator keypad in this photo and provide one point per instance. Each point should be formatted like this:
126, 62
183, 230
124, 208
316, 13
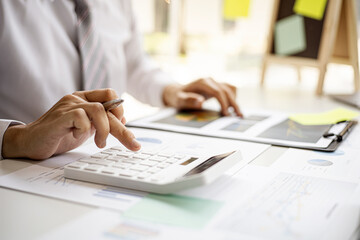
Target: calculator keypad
117, 161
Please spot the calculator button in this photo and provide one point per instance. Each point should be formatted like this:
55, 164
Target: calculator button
93, 167
99, 155
113, 158
125, 154
157, 158
140, 168
165, 154
122, 165
128, 173
130, 160
104, 162
109, 170
143, 175
179, 156
149, 152
140, 156
163, 165
172, 160
77, 165
148, 163
108, 151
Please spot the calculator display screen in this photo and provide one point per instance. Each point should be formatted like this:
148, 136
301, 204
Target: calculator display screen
207, 164
189, 161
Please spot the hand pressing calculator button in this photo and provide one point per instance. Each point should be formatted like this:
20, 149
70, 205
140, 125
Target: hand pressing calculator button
161, 172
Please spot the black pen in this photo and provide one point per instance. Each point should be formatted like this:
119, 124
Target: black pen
109, 105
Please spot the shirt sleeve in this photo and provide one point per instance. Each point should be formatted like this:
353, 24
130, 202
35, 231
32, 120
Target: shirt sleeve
145, 80
4, 125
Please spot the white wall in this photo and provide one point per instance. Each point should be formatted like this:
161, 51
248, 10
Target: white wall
205, 18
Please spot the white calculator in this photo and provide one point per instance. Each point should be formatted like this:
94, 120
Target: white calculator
159, 172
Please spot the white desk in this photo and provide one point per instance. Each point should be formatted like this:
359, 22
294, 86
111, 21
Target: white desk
27, 216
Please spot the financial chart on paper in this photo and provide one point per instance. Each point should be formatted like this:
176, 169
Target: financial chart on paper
289, 207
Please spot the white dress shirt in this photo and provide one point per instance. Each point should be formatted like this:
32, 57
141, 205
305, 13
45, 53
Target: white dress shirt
40, 63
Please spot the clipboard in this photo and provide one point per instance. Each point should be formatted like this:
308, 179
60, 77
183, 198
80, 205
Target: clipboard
339, 137
336, 137
270, 130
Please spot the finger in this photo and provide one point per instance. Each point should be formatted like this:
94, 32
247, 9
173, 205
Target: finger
102, 95
124, 135
99, 119
98, 95
123, 120
188, 100
210, 87
231, 87
232, 100
79, 122
118, 112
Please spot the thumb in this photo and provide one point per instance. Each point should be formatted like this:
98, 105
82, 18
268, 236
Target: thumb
189, 100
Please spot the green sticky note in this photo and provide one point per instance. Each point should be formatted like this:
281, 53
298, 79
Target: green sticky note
330, 117
234, 9
290, 35
311, 8
174, 210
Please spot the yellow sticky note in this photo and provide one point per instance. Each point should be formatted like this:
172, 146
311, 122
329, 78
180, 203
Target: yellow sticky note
310, 8
330, 117
236, 8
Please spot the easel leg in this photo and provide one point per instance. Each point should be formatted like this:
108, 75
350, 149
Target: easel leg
320, 86
356, 77
352, 40
263, 72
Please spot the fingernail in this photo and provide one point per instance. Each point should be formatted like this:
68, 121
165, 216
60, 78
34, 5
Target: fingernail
135, 144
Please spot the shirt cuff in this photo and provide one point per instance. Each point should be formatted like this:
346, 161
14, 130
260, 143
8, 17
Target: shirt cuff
4, 125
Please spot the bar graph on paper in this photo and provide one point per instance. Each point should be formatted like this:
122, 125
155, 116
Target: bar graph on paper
54, 177
51, 182
290, 206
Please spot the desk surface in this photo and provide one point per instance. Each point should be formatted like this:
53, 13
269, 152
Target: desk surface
27, 216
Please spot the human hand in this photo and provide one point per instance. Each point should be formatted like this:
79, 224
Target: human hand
193, 95
67, 125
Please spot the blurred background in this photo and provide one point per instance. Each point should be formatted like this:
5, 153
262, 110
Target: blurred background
204, 38
197, 38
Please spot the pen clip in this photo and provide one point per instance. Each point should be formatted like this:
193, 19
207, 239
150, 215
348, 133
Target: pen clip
337, 137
